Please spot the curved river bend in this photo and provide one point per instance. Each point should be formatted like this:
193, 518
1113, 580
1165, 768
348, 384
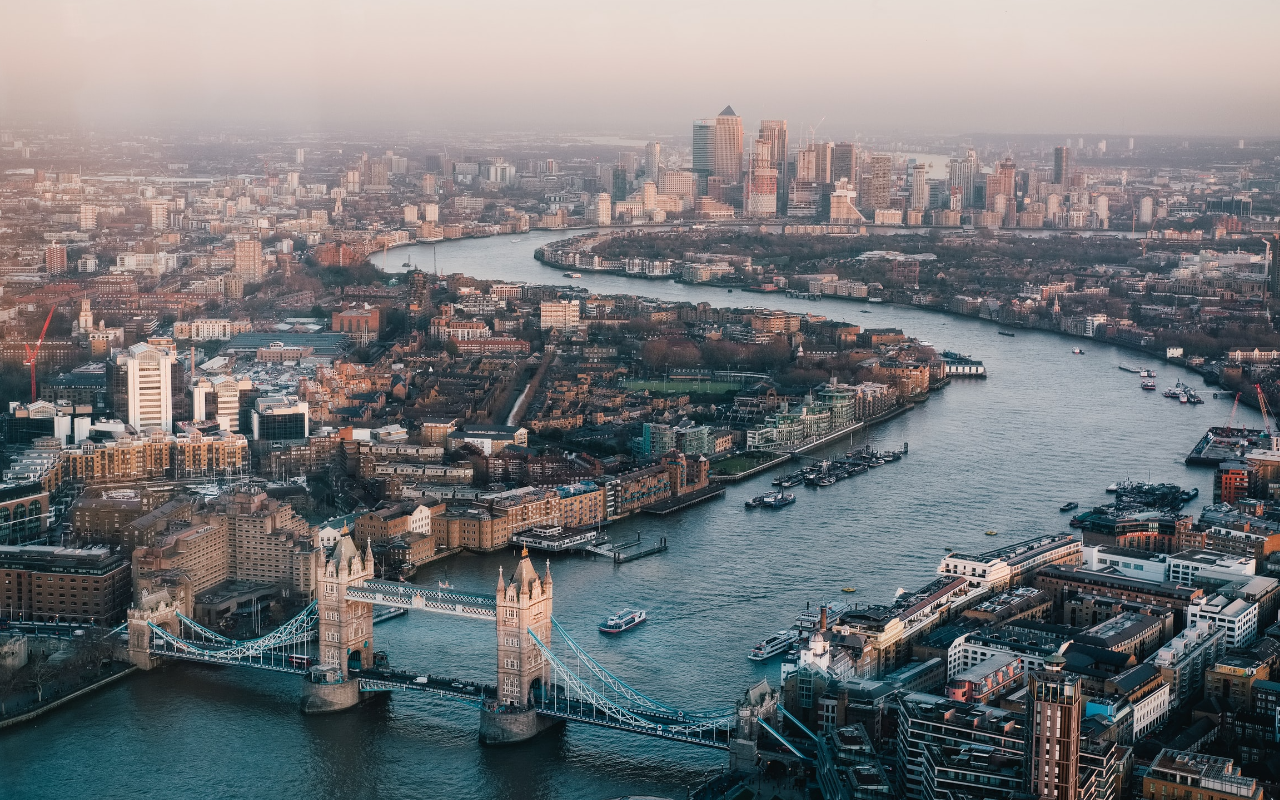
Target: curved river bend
1003, 454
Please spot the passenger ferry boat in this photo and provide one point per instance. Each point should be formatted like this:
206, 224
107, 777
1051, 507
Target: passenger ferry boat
573, 275
1148, 385
624, 620
775, 644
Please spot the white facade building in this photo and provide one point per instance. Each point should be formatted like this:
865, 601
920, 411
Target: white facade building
1237, 619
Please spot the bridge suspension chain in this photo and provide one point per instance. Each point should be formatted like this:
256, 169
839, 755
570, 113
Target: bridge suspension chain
580, 692
620, 686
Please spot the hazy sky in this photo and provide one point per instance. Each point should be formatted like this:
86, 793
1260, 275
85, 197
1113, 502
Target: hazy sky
1119, 66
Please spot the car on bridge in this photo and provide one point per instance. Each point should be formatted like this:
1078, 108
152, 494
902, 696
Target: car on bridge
422, 679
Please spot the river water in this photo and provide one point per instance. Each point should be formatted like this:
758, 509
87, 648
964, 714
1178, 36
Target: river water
1046, 427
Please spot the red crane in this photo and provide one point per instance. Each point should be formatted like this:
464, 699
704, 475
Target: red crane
31, 354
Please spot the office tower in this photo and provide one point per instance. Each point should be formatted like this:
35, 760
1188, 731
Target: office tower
648, 195
822, 156
619, 182
55, 259
955, 198
1146, 210
248, 260
429, 183
844, 162
299, 156
1007, 171
728, 146
774, 131
678, 183
159, 211
704, 150
760, 194
1102, 146
1130, 142
146, 372
881, 181
1056, 703
603, 210
630, 161
1061, 165
919, 188
652, 161
806, 167
961, 173
293, 180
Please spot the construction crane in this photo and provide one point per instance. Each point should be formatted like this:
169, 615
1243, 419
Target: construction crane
1266, 414
1231, 420
31, 354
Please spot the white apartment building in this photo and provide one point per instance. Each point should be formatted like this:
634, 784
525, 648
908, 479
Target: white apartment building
1151, 711
1128, 562
559, 314
602, 211
1005, 566
1184, 658
148, 372
155, 263
1185, 566
206, 329
1237, 619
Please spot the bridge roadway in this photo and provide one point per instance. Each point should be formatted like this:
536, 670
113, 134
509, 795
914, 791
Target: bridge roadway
411, 596
384, 680
664, 726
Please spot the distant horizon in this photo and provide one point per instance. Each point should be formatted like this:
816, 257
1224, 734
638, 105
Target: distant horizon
1145, 67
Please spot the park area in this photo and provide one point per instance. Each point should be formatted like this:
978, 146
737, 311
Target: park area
683, 386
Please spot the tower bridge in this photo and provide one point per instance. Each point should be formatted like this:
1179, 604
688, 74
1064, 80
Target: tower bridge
543, 677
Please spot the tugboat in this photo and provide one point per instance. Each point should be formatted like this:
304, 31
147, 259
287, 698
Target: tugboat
624, 620
1072, 506
780, 500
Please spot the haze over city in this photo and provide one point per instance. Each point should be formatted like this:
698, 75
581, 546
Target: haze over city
654, 401
1127, 68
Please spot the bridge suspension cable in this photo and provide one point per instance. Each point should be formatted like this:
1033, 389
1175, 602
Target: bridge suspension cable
637, 698
286, 649
572, 696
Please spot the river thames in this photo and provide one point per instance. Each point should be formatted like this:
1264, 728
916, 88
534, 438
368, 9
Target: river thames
1003, 454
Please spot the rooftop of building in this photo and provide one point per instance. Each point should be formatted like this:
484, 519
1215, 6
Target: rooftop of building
1120, 628
1019, 552
1223, 606
1211, 771
70, 560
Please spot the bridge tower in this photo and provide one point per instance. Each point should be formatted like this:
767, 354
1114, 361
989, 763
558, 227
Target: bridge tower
162, 609
523, 604
345, 630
